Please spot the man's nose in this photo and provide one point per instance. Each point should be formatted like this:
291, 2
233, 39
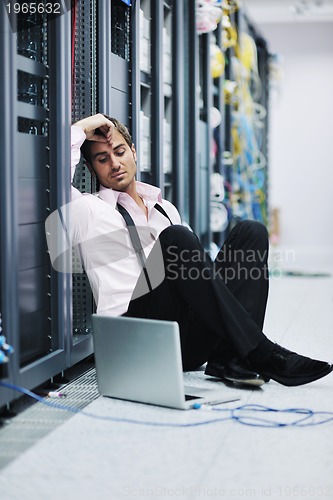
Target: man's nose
115, 165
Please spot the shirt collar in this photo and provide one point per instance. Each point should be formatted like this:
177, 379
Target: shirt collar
150, 194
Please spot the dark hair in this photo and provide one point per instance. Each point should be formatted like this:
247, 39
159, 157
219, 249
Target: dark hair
85, 148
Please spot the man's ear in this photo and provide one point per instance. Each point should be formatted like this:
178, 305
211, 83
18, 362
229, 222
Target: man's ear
134, 152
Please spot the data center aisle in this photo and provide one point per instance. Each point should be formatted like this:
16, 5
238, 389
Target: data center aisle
87, 458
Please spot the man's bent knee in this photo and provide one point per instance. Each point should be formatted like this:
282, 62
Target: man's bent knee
177, 234
253, 228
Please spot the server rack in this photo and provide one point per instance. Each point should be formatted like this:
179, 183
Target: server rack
84, 103
228, 160
101, 47
221, 136
192, 117
205, 144
246, 137
264, 58
34, 102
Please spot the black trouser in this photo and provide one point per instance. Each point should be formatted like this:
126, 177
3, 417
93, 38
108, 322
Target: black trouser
219, 305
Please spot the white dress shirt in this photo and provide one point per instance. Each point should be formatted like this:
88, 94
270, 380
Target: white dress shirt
99, 233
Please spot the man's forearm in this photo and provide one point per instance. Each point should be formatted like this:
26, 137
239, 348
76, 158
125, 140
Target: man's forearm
77, 139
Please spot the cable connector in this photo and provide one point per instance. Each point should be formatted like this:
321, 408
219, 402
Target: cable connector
5, 349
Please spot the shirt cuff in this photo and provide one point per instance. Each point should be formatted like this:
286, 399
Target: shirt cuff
77, 136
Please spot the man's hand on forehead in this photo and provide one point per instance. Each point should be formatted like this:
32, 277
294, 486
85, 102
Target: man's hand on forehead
107, 130
90, 124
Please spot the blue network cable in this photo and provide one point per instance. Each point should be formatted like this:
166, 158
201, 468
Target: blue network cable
248, 414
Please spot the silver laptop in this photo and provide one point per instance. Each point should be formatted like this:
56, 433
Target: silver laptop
140, 360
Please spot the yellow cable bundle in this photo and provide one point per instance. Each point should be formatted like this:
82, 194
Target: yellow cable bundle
236, 142
230, 6
229, 91
217, 61
247, 100
242, 94
229, 33
248, 52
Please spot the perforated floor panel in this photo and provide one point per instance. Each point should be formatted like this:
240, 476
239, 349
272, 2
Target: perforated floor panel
23, 430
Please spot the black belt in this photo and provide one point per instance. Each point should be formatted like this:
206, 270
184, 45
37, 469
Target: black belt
135, 239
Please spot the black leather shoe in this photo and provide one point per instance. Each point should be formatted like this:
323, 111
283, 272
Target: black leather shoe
235, 371
291, 369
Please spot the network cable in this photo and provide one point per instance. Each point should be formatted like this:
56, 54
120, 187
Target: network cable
249, 414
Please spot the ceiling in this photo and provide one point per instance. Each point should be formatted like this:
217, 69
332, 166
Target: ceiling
287, 11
